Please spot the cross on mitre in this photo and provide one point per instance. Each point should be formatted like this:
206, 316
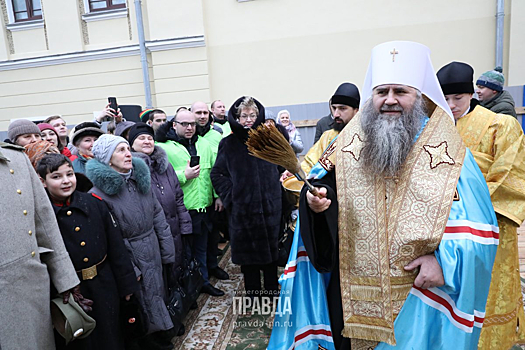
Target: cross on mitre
394, 53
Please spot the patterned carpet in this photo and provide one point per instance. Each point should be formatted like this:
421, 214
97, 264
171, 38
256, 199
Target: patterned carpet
218, 324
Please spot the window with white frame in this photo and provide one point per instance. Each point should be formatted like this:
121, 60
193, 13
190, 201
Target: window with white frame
104, 5
26, 10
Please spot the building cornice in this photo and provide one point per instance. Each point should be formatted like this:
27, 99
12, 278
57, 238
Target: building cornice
173, 44
116, 52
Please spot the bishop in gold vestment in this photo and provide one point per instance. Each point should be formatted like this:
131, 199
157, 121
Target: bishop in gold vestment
498, 145
397, 250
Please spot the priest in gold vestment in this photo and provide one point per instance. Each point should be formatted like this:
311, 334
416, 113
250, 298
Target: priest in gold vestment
498, 145
397, 252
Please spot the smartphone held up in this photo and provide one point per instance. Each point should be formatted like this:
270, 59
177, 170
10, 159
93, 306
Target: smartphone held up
113, 104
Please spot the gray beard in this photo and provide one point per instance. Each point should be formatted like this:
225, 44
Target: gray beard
388, 140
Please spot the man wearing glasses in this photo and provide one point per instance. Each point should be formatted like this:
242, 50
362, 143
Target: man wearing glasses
192, 158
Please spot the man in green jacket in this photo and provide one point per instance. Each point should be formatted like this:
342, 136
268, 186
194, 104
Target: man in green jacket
219, 116
210, 132
181, 143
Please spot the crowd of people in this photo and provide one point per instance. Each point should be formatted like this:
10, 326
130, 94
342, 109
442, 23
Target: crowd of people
108, 220
132, 205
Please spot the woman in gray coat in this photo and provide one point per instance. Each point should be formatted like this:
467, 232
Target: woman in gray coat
284, 119
124, 183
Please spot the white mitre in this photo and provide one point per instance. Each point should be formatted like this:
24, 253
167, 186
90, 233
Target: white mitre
404, 63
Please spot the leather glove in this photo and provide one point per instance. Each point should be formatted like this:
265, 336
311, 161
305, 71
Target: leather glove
84, 303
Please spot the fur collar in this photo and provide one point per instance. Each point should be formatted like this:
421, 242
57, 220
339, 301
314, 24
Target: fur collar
111, 182
157, 161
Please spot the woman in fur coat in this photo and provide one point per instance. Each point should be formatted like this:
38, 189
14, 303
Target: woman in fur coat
251, 192
125, 185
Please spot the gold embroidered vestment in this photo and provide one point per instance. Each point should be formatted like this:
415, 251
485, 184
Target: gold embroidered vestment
386, 223
498, 146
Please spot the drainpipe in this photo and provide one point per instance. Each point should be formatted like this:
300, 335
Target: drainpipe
143, 54
500, 21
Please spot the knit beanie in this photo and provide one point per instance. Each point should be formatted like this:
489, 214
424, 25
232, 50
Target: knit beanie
122, 127
269, 115
105, 145
493, 79
139, 129
144, 115
46, 126
21, 127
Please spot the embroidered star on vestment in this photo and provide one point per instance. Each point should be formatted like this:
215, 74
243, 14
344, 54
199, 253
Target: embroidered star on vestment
439, 154
354, 147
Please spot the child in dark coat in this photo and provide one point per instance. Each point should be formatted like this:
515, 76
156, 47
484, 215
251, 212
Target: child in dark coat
94, 243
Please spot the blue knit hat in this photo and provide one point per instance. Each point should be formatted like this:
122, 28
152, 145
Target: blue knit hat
105, 145
493, 79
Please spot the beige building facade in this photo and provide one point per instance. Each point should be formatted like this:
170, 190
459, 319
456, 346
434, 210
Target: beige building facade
66, 57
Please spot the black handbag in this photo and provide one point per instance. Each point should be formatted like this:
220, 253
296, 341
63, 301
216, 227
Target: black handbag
191, 280
183, 294
177, 307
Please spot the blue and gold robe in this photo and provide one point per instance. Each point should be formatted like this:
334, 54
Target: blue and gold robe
438, 205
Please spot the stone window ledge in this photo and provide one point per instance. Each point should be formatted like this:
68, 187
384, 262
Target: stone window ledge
26, 25
104, 15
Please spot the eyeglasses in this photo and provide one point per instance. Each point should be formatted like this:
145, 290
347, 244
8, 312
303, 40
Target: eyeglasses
186, 124
251, 116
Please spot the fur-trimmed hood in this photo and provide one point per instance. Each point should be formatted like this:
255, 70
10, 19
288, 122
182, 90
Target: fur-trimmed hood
239, 130
157, 161
111, 182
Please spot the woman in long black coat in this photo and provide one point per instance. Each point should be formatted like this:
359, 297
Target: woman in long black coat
251, 192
